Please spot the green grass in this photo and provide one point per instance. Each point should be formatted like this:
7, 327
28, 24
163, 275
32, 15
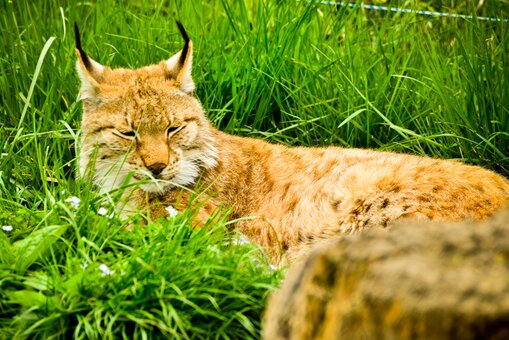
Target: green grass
286, 71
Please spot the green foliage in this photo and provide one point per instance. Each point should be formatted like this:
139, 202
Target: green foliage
92, 279
294, 72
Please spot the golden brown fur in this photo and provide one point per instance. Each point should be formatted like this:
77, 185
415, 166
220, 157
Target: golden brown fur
145, 126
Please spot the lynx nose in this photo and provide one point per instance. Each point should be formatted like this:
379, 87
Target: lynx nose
156, 168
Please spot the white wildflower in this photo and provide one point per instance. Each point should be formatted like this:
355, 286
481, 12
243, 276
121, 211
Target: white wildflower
84, 264
7, 228
241, 241
172, 212
74, 202
102, 211
105, 270
272, 267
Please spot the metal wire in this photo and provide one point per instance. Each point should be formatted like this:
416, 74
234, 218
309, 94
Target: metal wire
414, 11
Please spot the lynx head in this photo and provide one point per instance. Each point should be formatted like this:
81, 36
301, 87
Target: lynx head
143, 125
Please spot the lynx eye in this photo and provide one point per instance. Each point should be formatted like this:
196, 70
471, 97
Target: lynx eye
173, 129
126, 134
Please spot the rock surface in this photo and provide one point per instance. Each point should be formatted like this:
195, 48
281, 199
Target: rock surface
415, 280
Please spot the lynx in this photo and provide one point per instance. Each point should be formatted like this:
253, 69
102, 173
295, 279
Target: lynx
143, 128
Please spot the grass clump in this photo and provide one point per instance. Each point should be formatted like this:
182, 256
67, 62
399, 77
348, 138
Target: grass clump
294, 72
95, 280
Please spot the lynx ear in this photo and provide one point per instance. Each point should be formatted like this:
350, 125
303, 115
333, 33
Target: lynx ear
89, 70
179, 66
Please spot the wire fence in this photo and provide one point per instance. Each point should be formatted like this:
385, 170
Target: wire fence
413, 11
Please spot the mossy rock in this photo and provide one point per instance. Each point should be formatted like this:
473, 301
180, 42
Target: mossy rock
415, 280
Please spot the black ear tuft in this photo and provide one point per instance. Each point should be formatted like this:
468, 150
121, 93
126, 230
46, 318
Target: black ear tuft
183, 55
182, 31
84, 56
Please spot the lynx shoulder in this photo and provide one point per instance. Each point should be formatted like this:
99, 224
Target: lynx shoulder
144, 129
422, 280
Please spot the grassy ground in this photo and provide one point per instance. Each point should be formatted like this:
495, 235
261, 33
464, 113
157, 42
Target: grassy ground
287, 71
